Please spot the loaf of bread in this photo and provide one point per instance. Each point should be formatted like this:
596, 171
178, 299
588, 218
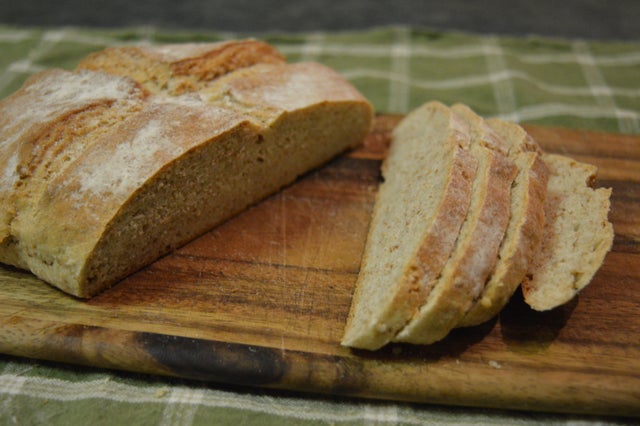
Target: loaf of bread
523, 217
106, 168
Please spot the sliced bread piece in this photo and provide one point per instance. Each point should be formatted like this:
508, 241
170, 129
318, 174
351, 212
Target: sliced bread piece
418, 213
112, 177
576, 237
476, 249
524, 231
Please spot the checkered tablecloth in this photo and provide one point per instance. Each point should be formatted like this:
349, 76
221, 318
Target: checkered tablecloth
571, 83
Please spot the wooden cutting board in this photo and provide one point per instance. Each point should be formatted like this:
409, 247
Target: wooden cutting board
262, 301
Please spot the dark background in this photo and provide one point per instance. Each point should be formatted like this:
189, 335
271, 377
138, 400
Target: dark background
590, 19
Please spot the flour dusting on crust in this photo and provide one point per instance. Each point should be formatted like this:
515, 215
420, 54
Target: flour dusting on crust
122, 173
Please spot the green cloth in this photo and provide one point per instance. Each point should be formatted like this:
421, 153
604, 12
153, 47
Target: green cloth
571, 83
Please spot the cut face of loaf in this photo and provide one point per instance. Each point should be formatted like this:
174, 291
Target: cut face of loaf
419, 210
107, 183
576, 238
522, 237
476, 249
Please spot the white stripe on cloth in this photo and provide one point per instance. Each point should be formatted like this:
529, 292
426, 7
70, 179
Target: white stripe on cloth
463, 51
400, 65
483, 79
75, 35
29, 65
382, 50
602, 60
24, 66
182, 406
374, 415
15, 36
15, 381
550, 109
599, 88
312, 47
502, 87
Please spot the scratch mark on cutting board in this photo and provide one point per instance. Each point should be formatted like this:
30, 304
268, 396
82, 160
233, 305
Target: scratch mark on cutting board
283, 234
283, 252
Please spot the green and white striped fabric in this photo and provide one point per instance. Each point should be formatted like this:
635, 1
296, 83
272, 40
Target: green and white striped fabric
573, 83
570, 83
35, 394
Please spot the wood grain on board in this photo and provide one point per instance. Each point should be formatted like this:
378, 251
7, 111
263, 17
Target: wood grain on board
262, 299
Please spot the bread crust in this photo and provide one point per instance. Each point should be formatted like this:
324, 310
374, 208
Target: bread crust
46, 100
182, 68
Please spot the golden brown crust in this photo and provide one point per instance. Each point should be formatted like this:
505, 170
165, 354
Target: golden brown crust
181, 68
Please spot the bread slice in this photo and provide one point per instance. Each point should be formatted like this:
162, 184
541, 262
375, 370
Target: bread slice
522, 237
113, 177
476, 249
418, 213
576, 237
